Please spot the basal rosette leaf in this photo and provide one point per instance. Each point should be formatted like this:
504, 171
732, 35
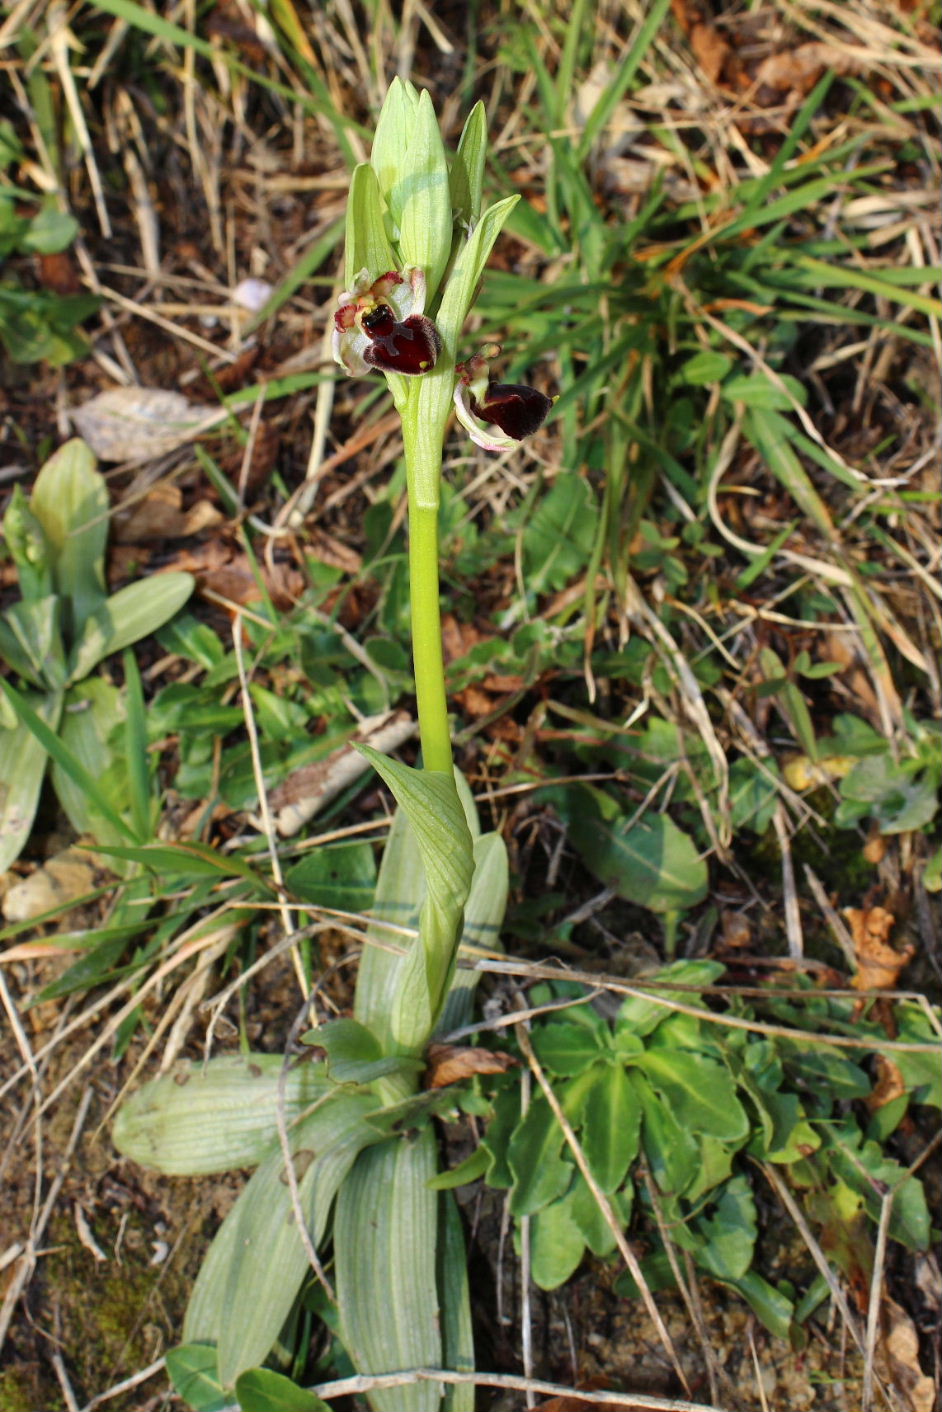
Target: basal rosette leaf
252, 1274
216, 1117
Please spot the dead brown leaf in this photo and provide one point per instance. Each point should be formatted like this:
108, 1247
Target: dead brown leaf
889, 1085
798, 70
139, 423
710, 48
450, 1063
900, 1349
879, 965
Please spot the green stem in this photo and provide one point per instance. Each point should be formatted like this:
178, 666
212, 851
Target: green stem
423, 472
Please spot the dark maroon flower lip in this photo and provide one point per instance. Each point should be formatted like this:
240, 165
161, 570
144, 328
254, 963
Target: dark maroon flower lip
411, 346
518, 410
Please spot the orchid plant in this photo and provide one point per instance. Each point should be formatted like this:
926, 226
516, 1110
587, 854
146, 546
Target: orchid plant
354, 1123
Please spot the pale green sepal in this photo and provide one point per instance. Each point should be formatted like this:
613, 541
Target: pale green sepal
70, 501
28, 547
133, 612
419, 200
251, 1276
22, 766
457, 1329
35, 650
483, 918
199, 1119
91, 712
392, 142
367, 245
466, 178
384, 1248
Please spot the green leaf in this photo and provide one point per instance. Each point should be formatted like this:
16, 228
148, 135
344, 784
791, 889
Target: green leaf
340, 876
467, 1171
700, 1092
354, 1054
28, 546
70, 501
22, 767
648, 861
61, 756
50, 231
559, 535
724, 1242
215, 1117
898, 796
466, 178
192, 1370
534, 1155
430, 800
567, 1048
252, 1274
32, 643
588, 1216
557, 1245
638, 1015
612, 1127
483, 916
706, 367
774, 1309
455, 1295
385, 1232
867, 1171
133, 612
262, 1390
671, 1152
91, 712
757, 390
190, 860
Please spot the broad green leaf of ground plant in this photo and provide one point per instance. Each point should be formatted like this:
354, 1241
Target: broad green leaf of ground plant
649, 861
133, 612
70, 502
192, 1370
29, 548
215, 1117
540, 1172
559, 535
251, 1275
556, 1245
263, 1390
700, 1093
22, 767
91, 713
639, 1015
384, 1243
31, 641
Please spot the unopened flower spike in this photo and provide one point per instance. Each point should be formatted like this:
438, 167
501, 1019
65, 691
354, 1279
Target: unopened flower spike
514, 409
379, 323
